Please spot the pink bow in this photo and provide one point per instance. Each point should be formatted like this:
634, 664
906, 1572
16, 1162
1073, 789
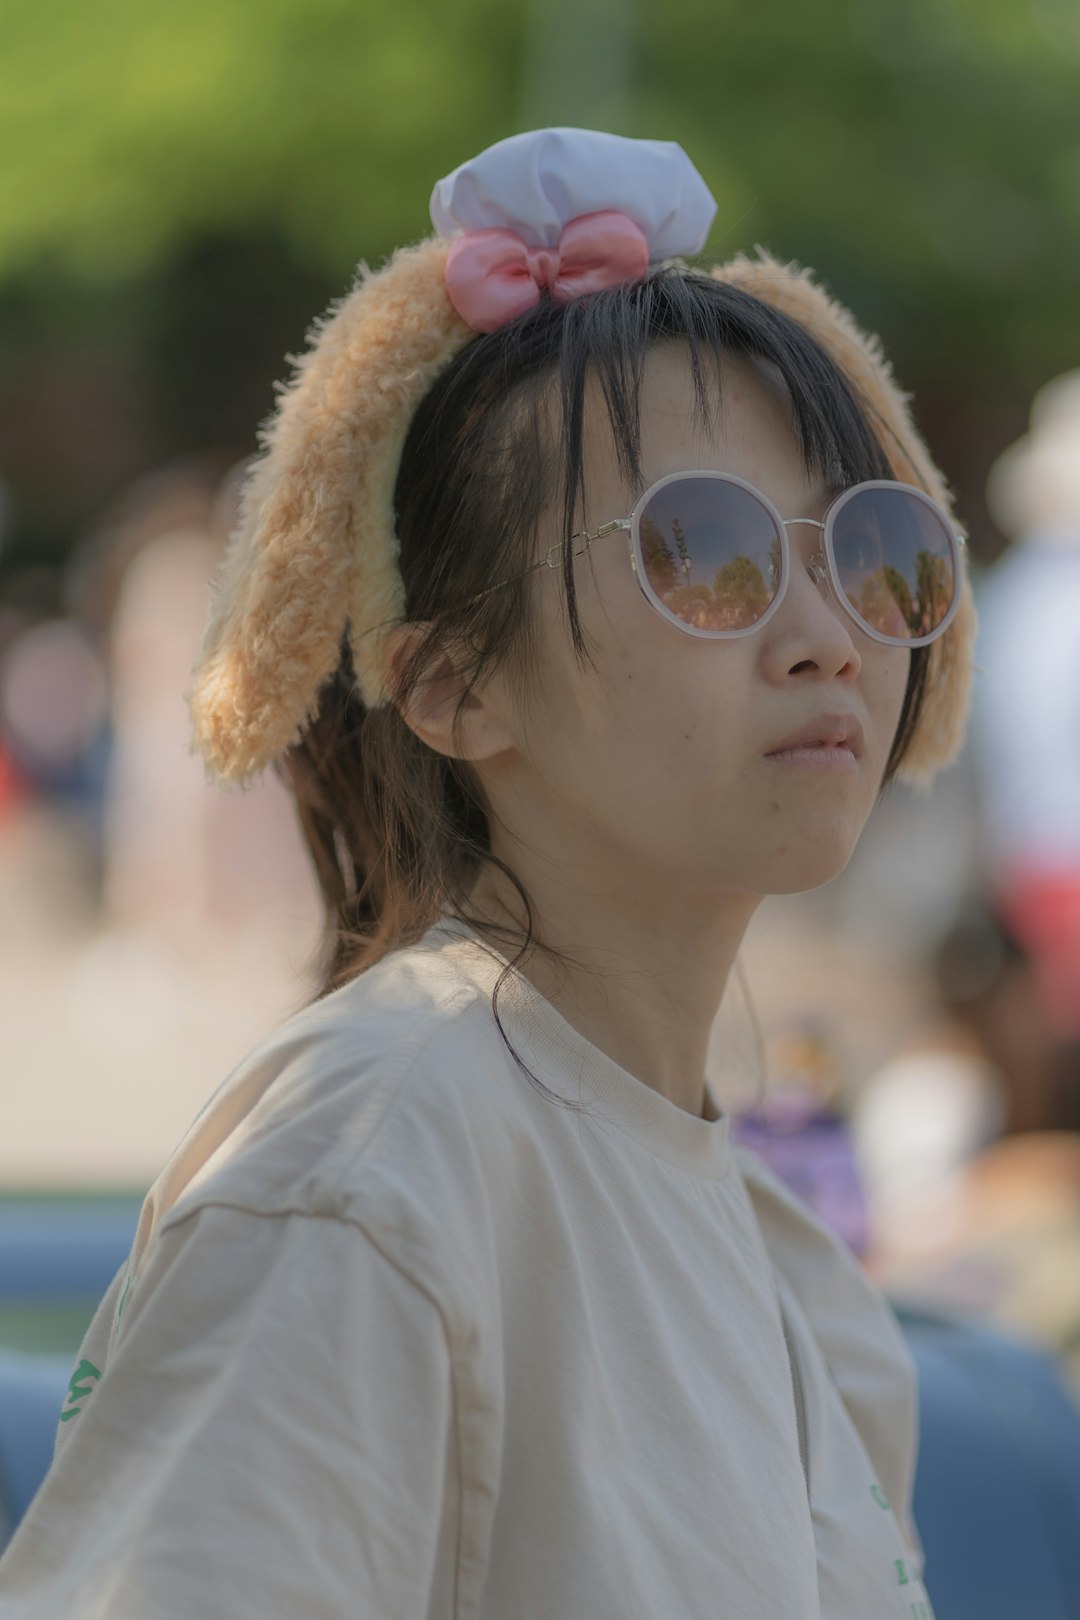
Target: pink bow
493, 275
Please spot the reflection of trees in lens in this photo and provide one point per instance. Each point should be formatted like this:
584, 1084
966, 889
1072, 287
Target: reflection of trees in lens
900, 592
739, 595
934, 576
741, 592
657, 555
877, 604
906, 601
737, 598
680, 547
700, 606
694, 605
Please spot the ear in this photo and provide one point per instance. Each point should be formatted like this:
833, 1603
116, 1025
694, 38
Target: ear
482, 729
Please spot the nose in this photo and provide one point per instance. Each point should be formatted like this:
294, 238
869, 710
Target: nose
812, 636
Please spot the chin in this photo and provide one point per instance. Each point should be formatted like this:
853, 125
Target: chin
796, 874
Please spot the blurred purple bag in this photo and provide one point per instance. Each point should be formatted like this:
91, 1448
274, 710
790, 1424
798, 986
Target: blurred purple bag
810, 1147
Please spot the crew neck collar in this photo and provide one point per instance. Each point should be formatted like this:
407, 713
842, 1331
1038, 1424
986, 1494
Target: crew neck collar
565, 1061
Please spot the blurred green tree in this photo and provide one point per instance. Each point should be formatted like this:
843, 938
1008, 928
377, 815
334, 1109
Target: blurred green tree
136, 127
926, 151
741, 592
922, 155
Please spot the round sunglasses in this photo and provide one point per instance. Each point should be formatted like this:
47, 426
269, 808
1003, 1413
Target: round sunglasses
711, 555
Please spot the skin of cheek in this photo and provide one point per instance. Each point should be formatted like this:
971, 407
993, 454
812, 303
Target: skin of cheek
652, 764
819, 842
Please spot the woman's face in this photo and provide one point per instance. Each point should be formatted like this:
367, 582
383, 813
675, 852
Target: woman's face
651, 765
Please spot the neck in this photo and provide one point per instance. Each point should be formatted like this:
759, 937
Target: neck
640, 976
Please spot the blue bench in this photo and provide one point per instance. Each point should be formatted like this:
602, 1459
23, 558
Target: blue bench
997, 1489
63, 1248
32, 1391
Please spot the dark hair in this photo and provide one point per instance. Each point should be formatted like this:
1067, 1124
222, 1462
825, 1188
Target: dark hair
398, 833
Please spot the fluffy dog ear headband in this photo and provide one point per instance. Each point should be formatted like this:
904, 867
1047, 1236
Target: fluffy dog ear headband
557, 211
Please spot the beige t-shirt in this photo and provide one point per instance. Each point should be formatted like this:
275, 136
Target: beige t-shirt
401, 1338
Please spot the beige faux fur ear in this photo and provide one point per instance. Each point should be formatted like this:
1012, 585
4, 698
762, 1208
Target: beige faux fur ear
942, 723
315, 541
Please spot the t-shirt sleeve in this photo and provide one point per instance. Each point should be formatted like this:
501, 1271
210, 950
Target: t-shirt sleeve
272, 1436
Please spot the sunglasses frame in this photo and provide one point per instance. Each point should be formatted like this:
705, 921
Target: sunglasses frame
632, 526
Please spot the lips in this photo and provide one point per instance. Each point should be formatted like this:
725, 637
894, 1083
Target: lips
826, 731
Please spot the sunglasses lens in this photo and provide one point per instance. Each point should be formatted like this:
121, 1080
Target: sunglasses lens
895, 561
712, 553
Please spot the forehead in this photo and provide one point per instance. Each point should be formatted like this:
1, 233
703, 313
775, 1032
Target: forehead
747, 429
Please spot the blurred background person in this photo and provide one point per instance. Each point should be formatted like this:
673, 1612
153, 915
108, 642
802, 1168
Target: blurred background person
180, 861
149, 923
973, 1207
970, 1134
1027, 731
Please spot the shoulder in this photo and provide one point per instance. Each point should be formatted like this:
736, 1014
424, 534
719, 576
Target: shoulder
380, 1105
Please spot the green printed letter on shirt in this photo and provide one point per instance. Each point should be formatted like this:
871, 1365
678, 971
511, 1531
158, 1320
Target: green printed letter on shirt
79, 1386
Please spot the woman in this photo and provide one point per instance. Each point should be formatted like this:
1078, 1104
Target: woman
582, 600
